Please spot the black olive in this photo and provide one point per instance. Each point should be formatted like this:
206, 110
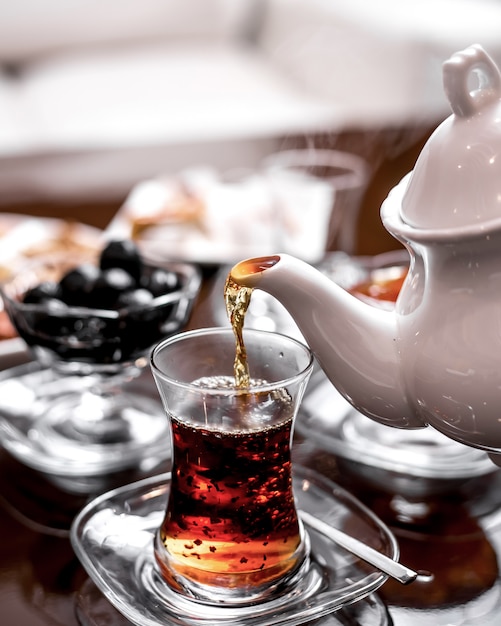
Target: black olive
78, 283
42, 291
55, 306
161, 281
136, 297
109, 285
124, 254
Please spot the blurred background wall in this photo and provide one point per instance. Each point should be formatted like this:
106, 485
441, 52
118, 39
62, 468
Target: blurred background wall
96, 96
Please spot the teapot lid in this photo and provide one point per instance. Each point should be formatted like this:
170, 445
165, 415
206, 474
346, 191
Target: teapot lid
456, 181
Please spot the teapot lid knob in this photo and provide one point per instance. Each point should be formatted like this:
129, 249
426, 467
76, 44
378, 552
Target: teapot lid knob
457, 72
456, 181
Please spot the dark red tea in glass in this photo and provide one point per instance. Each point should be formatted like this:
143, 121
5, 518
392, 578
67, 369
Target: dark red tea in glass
231, 532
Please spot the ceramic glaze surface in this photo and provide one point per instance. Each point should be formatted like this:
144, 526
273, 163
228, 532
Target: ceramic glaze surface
456, 182
436, 358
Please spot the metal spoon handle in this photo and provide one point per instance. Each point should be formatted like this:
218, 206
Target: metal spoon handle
382, 562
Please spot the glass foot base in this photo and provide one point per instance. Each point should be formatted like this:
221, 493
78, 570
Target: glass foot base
61, 428
301, 587
104, 432
93, 609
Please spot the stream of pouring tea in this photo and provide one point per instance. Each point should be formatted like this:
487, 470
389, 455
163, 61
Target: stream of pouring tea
237, 300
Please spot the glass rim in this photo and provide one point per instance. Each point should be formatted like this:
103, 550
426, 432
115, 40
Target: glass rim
221, 330
354, 170
191, 280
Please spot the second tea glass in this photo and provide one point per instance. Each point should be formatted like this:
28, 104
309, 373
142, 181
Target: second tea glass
317, 196
231, 532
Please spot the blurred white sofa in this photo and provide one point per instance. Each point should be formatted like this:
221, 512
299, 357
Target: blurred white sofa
96, 95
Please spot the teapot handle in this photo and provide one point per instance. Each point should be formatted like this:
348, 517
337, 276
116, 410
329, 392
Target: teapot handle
456, 74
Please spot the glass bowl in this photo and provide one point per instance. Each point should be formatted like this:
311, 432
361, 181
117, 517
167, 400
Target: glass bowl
95, 337
83, 413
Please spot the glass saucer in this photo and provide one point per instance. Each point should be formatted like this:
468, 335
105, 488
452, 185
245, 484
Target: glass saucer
405, 461
113, 538
93, 609
26, 391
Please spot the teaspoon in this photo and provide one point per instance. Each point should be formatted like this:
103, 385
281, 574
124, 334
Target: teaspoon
396, 570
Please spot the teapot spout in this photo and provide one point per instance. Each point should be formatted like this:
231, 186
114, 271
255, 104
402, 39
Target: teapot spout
355, 343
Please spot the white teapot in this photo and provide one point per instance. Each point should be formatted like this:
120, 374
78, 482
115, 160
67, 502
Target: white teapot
436, 359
